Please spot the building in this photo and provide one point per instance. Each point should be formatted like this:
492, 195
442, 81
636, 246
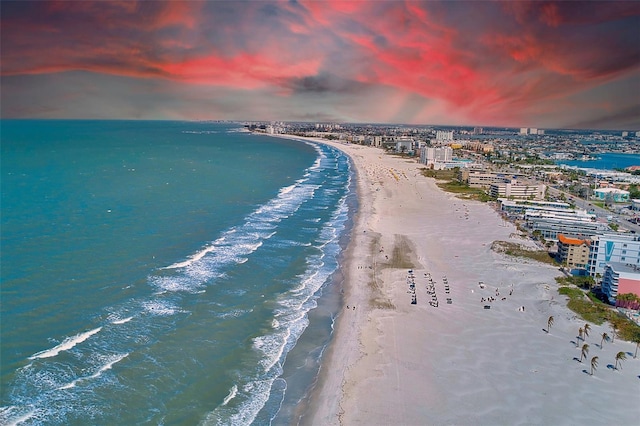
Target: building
573, 252
431, 156
620, 278
611, 248
514, 189
524, 130
444, 136
570, 222
404, 145
635, 205
482, 179
521, 206
611, 194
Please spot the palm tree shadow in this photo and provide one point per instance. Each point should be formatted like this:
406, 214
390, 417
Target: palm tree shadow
611, 367
586, 372
575, 358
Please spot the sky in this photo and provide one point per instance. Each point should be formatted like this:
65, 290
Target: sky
537, 64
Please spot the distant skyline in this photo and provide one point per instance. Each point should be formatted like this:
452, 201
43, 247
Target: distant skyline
509, 64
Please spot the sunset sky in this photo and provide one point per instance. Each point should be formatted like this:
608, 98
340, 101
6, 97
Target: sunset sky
530, 64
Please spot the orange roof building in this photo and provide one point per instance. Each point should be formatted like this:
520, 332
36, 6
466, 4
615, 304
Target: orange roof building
573, 252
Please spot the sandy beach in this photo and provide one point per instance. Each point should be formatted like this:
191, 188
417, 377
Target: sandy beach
460, 363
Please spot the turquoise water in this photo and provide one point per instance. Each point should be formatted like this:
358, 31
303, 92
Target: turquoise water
162, 272
607, 161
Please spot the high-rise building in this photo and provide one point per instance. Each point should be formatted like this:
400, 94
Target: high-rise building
620, 278
442, 135
610, 248
524, 131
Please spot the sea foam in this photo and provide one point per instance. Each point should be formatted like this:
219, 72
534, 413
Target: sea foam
66, 344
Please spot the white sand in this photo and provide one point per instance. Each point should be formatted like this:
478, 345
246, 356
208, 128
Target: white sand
392, 362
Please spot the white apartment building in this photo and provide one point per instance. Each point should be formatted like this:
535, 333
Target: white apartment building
514, 189
613, 248
444, 136
520, 206
433, 154
404, 145
571, 222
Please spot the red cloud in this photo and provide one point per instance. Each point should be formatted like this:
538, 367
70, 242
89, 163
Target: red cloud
483, 59
244, 71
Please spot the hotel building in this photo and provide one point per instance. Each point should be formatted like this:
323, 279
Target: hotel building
613, 248
570, 222
573, 252
514, 189
620, 278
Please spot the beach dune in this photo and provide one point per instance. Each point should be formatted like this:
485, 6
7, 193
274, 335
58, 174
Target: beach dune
481, 356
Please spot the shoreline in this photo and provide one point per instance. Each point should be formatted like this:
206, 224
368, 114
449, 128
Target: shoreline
393, 362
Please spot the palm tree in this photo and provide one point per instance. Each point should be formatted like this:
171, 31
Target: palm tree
586, 327
635, 354
605, 337
584, 352
620, 356
594, 364
549, 323
580, 333
614, 330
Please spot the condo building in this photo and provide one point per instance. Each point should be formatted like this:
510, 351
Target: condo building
571, 222
514, 189
516, 207
613, 248
573, 252
620, 278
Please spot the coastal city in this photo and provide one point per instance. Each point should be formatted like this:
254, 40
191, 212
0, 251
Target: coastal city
330, 213
588, 219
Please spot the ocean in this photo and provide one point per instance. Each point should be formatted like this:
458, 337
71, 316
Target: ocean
606, 161
166, 272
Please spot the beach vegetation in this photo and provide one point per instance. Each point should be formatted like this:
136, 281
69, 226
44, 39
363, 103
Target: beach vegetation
586, 329
594, 364
605, 337
596, 312
448, 181
620, 356
585, 282
584, 352
579, 303
517, 250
